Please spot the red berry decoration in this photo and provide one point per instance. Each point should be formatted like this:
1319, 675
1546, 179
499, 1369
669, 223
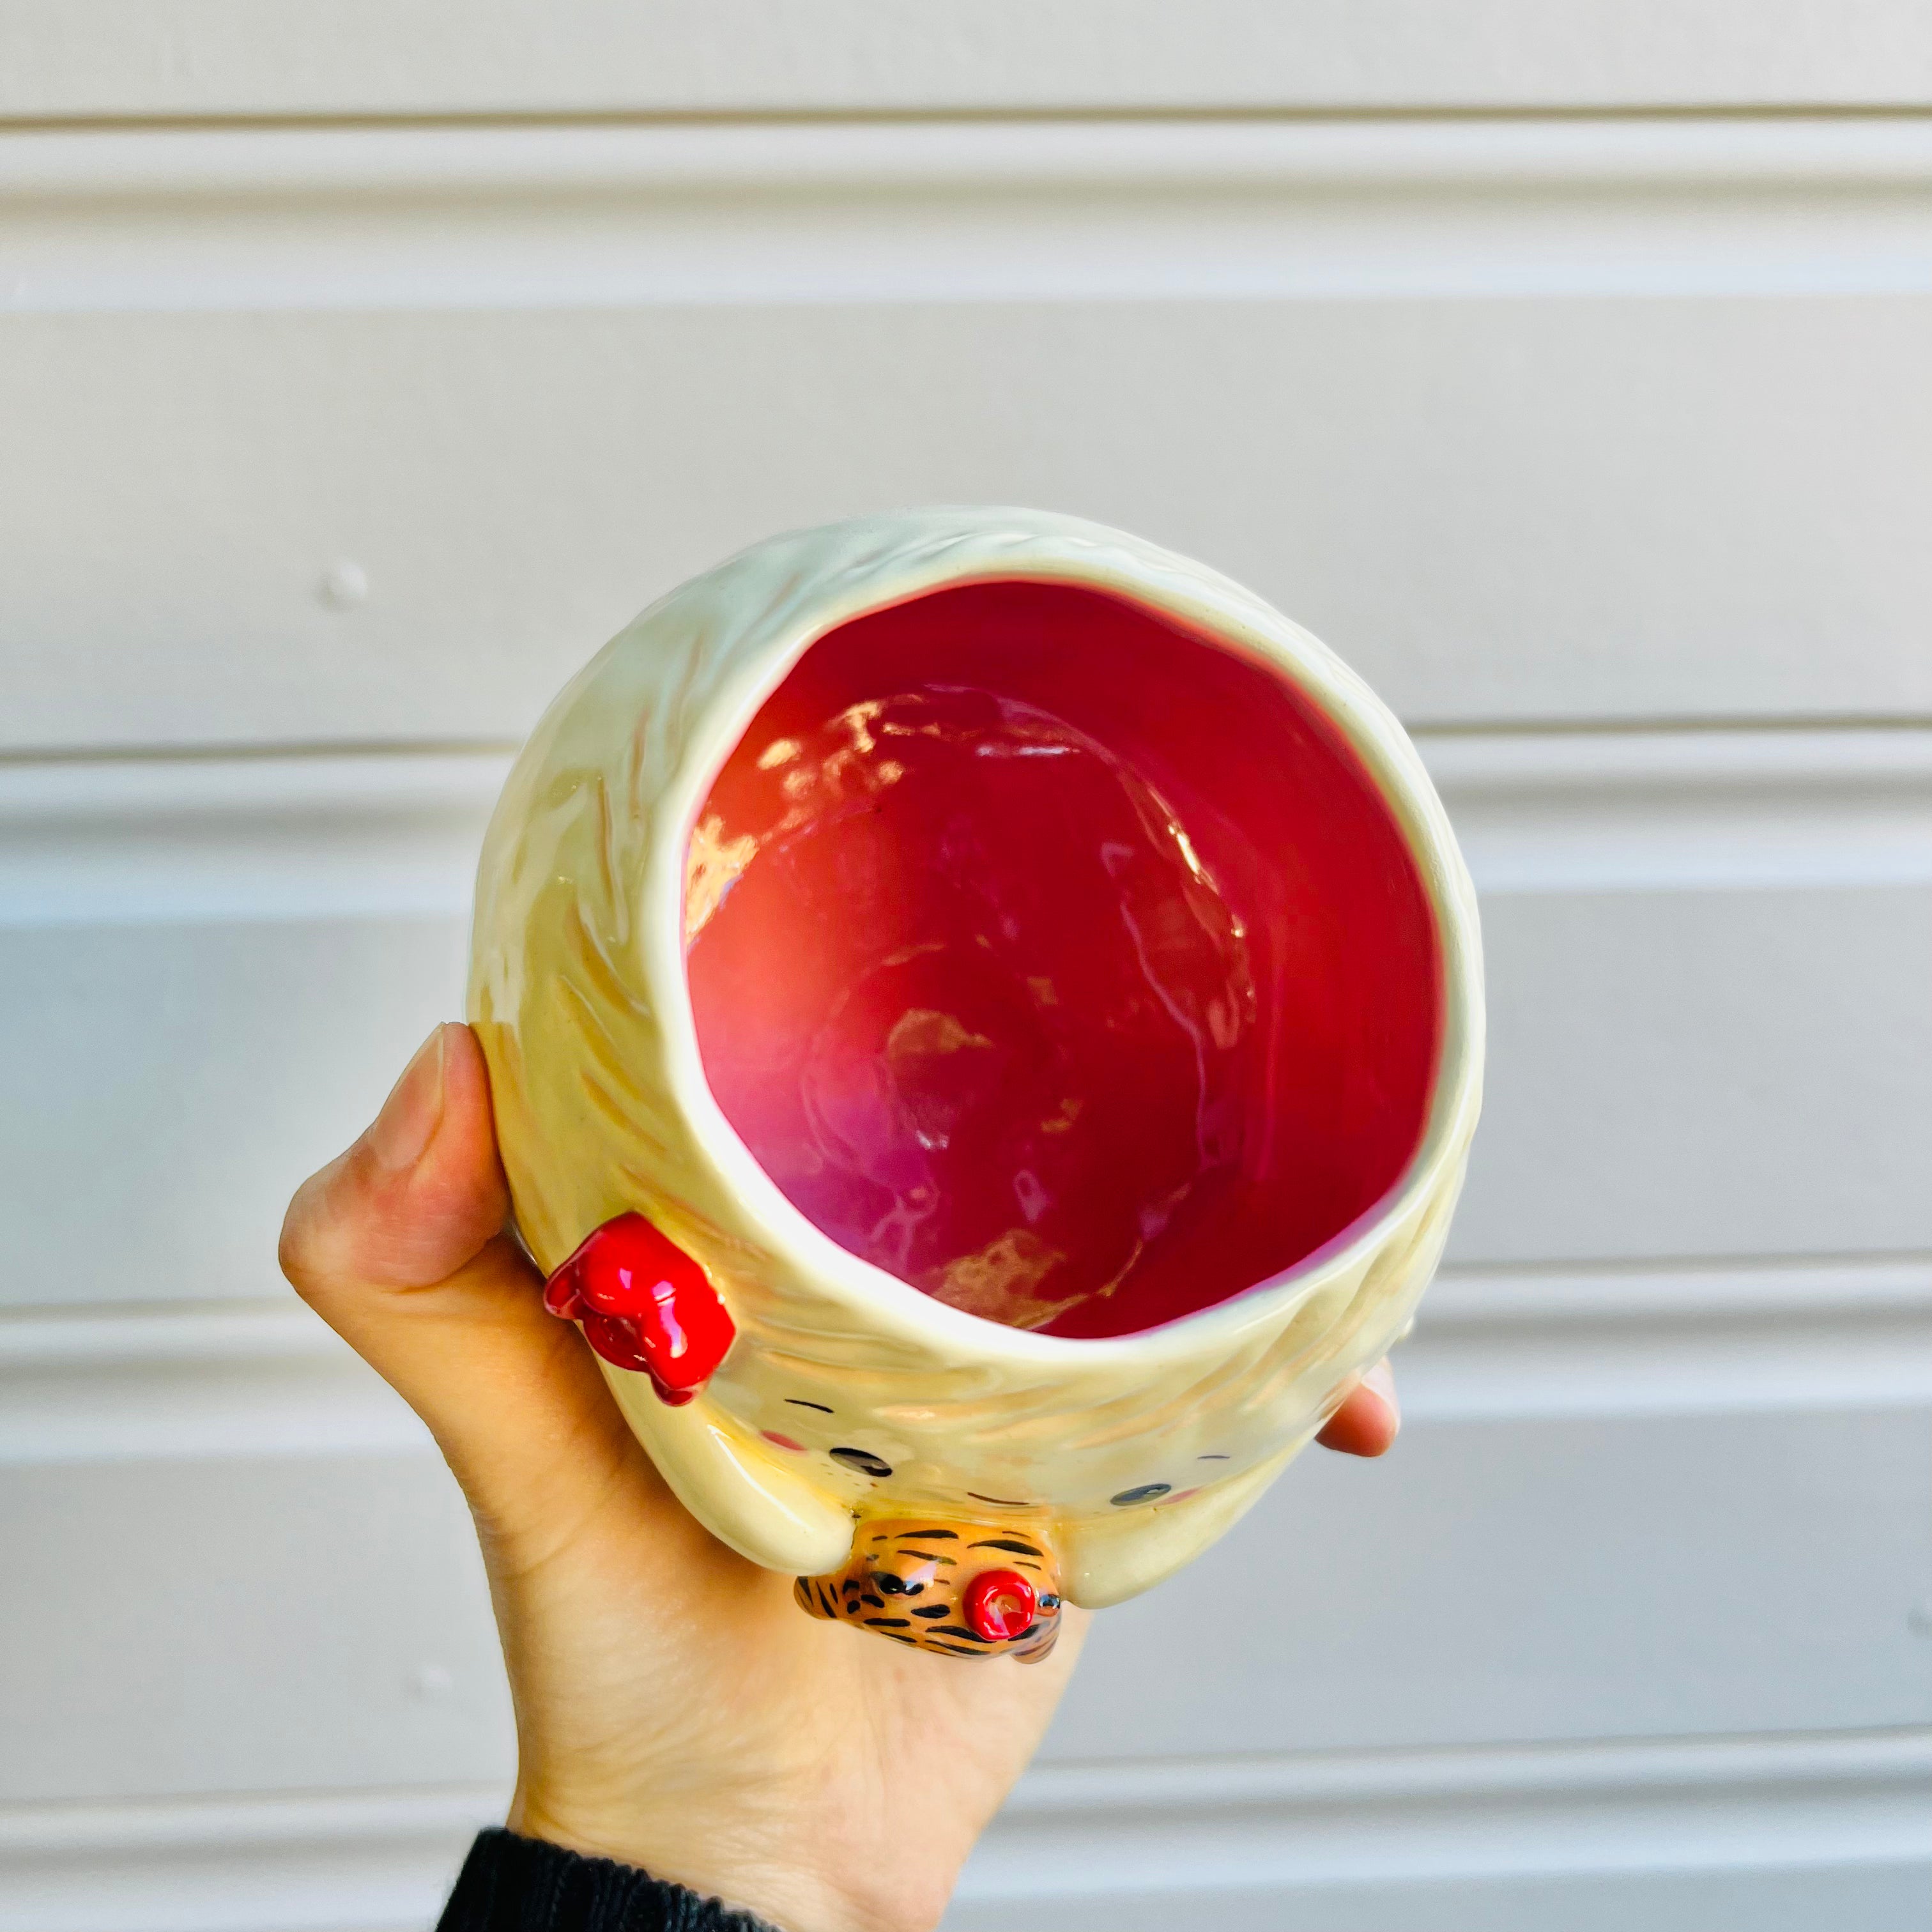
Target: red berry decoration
645, 1305
999, 1604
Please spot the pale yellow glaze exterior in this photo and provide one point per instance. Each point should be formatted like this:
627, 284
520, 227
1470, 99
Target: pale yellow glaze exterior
577, 992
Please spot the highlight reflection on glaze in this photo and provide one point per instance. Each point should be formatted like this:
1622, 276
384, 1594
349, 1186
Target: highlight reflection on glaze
967, 987
1024, 1066
843, 1394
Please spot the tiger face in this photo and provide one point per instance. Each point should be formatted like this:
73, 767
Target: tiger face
959, 1589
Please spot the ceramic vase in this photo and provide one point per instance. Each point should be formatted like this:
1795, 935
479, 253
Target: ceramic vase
985, 1021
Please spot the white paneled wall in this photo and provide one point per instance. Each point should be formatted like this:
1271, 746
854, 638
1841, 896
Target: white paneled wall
362, 368
87, 58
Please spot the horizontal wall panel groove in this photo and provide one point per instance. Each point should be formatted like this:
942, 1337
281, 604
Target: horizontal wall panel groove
1708, 956
252, 1379
1562, 366
1154, 1827
1536, 1578
379, 1861
288, 525
197, 57
285, 835
248, 837
1576, 811
182, 1624
1665, 1340
266, 1378
1318, 1827
570, 217
1669, 1295
275, 1622
1900, 1758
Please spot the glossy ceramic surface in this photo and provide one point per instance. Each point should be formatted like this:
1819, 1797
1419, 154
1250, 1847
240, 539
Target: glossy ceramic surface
958, 1589
645, 1306
1109, 987
1239, 863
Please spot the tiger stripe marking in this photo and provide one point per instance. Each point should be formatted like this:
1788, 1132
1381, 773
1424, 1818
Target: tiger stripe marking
899, 1583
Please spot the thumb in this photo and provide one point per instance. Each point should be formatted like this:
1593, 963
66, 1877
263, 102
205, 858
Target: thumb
397, 1245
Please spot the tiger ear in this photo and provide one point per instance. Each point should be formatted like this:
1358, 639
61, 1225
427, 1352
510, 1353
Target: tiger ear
815, 1596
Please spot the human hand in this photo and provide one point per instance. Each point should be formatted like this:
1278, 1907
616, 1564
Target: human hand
675, 1710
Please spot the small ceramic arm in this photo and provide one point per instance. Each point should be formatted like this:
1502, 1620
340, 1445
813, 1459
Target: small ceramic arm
744, 1498
659, 1325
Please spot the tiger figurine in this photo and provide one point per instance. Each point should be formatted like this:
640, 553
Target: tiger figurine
956, 1588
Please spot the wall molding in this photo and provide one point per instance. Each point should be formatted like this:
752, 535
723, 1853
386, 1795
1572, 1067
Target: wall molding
1008, 210
306, 835
355, 1862
1370, 1818
1072, 1833
96, 1383
253, 1379
393, 834
255, 836
1745, 1336
199, 57
1660, 810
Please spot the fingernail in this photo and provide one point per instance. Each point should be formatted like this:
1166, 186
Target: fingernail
1381, 1379
408, 1121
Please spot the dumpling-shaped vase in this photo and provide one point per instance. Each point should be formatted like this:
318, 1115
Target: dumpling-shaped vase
985, 1019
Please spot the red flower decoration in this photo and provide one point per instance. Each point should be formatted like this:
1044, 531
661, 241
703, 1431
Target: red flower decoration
645, 1305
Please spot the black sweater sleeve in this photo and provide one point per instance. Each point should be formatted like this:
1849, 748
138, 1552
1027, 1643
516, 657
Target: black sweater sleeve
509, 1884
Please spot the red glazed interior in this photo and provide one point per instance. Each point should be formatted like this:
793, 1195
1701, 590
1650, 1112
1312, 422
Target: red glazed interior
1058, 962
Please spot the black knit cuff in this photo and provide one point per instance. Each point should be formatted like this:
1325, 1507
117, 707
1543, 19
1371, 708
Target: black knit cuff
509, 1884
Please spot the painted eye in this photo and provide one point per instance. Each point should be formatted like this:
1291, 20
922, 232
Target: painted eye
863, 1460
1146, 1493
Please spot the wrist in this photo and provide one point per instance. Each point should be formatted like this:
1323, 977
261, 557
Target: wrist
512, 1883
794, 1879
